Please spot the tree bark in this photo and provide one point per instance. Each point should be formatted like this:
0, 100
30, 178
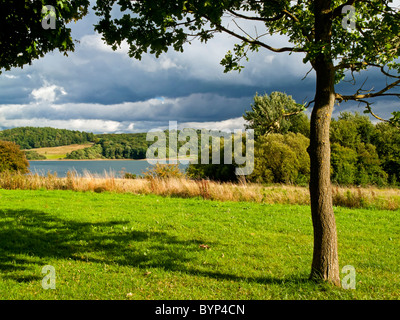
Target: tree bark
325, 264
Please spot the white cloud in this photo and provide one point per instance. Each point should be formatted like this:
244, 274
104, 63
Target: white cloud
47, 93
108, 126
229, 124
94, 42
88, 125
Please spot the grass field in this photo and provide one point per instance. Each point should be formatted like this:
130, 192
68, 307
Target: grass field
56, 153
128, 246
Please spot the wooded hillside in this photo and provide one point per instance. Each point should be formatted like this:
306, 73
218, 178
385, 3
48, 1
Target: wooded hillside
32, 137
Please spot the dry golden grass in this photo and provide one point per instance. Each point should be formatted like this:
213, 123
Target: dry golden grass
353, 197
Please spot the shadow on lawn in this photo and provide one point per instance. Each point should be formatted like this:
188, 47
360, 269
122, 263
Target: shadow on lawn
29, 238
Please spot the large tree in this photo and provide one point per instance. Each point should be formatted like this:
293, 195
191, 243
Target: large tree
30, 29
334, 36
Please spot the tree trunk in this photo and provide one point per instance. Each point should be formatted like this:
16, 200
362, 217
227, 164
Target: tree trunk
325, 264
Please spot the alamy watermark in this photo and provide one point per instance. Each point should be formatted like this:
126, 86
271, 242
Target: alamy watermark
49, 280
238, 147
49, 20
349, 21
349, 280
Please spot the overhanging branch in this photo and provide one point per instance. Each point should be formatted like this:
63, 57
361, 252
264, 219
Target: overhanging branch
369, 110
242, 16
257, 42
368, 94
382, 93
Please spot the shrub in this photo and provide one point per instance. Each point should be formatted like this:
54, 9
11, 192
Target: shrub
164, 171
33, 155
216, 172
281, 159
12, 158
128, 175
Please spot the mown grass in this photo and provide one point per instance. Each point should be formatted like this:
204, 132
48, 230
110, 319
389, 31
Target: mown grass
129, 246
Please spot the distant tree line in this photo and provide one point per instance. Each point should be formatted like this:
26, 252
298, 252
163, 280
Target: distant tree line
114, 146
362, 153
32, 137
120, 146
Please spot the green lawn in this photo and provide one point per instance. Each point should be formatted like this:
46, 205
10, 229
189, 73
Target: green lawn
125, 246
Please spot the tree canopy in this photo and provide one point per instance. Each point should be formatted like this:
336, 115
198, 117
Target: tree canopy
25, 37
274, 113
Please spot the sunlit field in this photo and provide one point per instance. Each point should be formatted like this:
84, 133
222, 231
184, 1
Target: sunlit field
112, 245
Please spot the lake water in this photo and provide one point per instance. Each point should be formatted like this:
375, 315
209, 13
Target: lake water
99, 167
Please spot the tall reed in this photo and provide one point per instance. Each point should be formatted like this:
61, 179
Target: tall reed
352, 197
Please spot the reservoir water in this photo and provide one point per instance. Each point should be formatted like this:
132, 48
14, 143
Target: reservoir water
97, 167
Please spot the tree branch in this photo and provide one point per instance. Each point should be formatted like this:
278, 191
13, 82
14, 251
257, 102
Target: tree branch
368, 107
242, 16
351, 65
257, 42
366, 94
381, 93
278, 17
386, 73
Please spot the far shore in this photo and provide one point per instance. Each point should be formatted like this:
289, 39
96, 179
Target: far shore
90, 160
108, 160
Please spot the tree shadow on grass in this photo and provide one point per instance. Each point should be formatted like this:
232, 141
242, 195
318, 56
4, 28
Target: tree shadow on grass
31, 238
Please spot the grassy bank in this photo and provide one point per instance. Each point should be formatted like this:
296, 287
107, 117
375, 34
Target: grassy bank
127, 246
351, 197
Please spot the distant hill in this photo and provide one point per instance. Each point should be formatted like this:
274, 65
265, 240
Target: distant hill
32, 137
103, 146
114, 146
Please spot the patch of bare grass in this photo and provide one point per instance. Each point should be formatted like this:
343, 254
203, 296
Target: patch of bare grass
61, 151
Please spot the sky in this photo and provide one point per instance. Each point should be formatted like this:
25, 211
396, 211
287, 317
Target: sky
99, 90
